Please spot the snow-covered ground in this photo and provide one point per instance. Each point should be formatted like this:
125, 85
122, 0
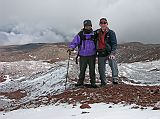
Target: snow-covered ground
44, 79
39, 78
42, 83
144, 72
97, 111
20, 69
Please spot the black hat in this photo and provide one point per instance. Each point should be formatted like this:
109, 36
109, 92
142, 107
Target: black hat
87, 23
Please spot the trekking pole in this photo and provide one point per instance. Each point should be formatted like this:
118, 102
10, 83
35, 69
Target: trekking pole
67, 69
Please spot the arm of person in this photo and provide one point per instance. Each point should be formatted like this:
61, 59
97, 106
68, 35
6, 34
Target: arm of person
75, 42
113, 41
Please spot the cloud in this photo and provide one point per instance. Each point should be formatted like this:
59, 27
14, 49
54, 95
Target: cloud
136, 20
3, 38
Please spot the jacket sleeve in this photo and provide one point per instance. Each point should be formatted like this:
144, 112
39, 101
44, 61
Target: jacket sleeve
75, 42
113, 41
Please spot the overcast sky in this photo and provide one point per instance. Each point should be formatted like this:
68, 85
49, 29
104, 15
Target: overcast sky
132, 20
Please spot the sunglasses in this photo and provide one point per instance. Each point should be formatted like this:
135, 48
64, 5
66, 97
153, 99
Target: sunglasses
103, 22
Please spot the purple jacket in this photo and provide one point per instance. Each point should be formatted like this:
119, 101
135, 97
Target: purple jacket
88, 46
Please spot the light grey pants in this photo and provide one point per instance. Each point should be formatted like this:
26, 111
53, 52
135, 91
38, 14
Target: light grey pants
102, 68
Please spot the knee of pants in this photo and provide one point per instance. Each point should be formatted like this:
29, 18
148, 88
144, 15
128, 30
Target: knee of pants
112, 62
102, 67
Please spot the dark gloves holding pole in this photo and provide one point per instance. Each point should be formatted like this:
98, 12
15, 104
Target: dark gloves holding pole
69, 50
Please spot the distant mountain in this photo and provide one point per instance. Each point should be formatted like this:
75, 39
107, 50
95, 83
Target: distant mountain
135, 52
126, 53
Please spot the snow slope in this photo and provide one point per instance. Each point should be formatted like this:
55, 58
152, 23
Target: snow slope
97, 111
144, 72
42, 83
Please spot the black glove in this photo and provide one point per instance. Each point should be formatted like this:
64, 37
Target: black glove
69, 50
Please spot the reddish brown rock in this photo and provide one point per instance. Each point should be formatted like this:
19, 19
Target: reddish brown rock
84, 106
157, 106
121, 93
15, 94
2, 78
1, 109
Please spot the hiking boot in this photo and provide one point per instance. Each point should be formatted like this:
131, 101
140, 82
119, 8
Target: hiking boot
78, 84
115, 80
103, 84
94, 86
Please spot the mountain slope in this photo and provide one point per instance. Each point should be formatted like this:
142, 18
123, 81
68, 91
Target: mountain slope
126, 53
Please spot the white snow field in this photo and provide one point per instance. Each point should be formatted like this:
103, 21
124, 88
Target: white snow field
97, 111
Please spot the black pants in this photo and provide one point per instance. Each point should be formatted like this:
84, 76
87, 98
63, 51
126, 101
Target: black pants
83, 62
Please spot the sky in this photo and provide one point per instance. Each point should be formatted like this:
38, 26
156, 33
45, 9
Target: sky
60, 20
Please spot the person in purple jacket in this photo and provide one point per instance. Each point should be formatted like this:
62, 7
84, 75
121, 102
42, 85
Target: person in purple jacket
85, 42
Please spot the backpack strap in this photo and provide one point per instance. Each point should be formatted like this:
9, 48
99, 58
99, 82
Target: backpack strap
79, 45
82, 37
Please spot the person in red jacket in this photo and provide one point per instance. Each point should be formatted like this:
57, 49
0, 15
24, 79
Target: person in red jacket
106, 50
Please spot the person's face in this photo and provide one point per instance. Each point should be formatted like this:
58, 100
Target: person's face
88, 27
103, 24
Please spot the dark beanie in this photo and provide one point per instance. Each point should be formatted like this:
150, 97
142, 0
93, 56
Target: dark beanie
87, 23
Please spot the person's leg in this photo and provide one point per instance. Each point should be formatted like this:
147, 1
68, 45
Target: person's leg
83, 66
114, 68
91, 62
102, 69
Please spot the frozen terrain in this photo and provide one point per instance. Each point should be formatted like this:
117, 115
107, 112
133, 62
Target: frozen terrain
35, 79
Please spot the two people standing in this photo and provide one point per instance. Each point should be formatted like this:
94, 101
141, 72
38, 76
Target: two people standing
101, 43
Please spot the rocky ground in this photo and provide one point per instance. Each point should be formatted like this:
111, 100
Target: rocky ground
135, 52
122, 93
48, 52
